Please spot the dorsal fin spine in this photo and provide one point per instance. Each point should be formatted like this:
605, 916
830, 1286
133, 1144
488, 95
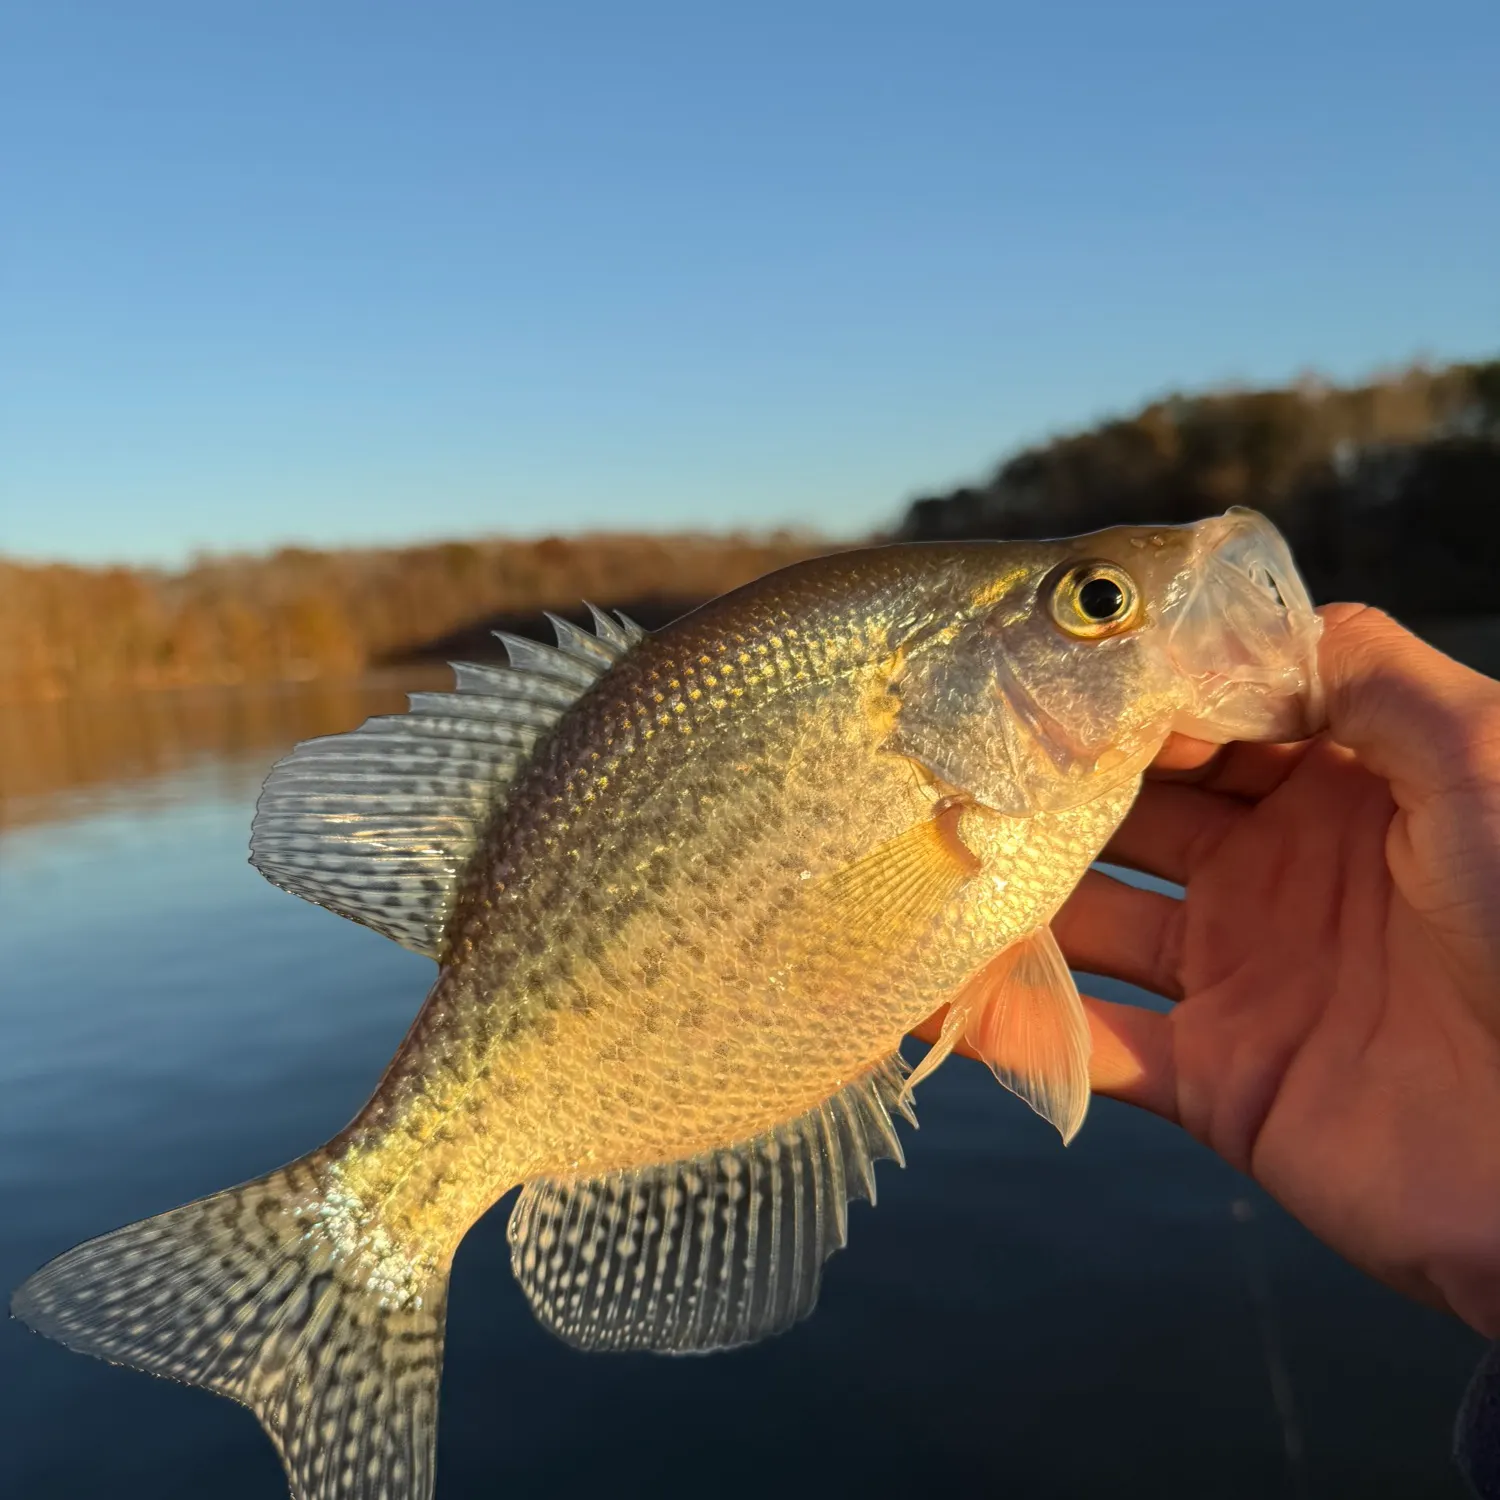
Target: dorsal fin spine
578, 643
376, 824
609, 631
547, 661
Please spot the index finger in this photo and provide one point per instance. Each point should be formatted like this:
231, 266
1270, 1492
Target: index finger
1423, 721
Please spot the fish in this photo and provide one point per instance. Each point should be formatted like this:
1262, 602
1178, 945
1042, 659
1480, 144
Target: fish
687, 892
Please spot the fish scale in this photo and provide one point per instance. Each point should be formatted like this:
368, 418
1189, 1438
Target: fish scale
687, 893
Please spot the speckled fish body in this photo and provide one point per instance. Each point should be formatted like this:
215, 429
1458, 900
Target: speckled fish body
687, 892
645, 961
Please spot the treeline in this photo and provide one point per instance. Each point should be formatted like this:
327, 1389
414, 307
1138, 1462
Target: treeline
300, 614
1389, 492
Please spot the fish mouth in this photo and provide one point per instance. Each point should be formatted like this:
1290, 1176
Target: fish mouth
1244, 634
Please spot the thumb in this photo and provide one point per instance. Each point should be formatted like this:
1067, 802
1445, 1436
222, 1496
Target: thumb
1423, 721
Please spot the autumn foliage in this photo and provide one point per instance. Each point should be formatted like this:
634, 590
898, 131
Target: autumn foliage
1388, 492
299, 614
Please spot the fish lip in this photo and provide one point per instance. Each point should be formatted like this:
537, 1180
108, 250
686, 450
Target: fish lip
1244, 632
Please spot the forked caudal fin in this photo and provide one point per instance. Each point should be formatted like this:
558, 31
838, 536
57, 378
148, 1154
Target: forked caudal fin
264, 1294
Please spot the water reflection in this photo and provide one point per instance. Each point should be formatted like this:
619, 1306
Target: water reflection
1011, 1316
55, 757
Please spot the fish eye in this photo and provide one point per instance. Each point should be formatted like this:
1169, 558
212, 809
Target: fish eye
1101, 599
1095, 599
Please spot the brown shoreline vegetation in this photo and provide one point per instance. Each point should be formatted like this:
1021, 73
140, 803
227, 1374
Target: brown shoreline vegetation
297, 614
1388, 491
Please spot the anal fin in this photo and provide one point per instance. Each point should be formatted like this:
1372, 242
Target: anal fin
712, 1251
1022, 1014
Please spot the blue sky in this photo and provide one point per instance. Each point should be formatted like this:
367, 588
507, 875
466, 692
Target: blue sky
364, 272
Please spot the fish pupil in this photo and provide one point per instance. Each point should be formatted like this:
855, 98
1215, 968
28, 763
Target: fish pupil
1101, 599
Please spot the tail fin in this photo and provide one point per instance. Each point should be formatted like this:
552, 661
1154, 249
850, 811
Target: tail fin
269, 1294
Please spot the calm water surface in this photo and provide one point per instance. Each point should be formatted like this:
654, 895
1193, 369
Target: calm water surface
1114, 1319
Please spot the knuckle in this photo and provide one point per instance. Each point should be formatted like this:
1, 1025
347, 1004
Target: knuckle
1171, 942
1476, 742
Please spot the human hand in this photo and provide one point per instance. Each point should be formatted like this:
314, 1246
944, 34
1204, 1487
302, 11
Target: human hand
1336, 963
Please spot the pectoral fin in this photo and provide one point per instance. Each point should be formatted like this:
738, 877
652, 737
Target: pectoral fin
1022, 1014
891, 894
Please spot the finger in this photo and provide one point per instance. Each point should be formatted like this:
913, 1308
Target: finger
1108, 927
1172, 829
1411, 714
1241, 770
1183, 756
1130, 1057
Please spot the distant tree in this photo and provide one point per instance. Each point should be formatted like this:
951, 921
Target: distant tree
1388, 491
299, 612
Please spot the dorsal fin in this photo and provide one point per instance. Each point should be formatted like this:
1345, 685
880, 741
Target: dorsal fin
376, 824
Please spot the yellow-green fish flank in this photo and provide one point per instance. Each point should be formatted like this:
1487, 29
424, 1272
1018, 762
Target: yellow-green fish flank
686, 893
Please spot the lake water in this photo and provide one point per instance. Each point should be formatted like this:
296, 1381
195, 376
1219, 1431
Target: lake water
1127, 1317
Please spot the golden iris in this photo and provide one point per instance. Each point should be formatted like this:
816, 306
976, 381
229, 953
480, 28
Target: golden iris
1095, 599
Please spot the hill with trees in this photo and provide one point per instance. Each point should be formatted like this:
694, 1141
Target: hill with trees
1388, 492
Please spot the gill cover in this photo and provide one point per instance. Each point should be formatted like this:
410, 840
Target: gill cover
1029, 709
989, 711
